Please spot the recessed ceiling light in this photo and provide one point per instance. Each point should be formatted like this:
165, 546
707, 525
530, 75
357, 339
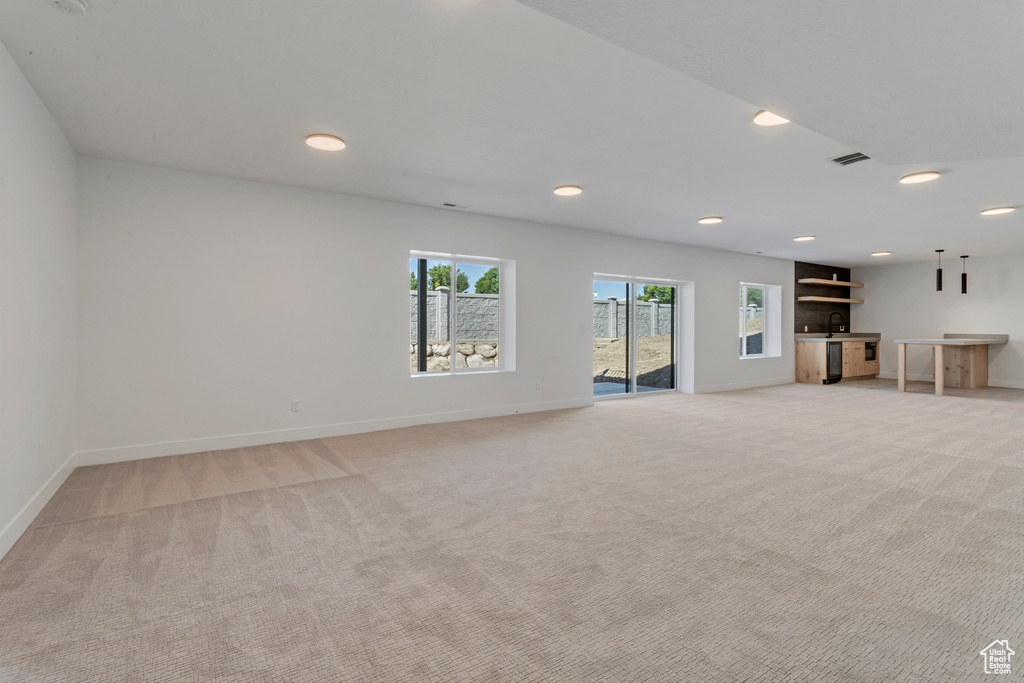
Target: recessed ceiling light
71, 6
709, 220
325, 142
803, 238
922, 177
880, 253
998, 210
568, 190
766, 118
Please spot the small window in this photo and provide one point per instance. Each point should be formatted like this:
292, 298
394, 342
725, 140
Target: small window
753, 337
459, 312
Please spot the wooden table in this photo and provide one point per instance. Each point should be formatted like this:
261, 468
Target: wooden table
961, 360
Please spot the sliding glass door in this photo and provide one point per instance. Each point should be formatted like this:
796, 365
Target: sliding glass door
656, 337
612, 357
634, 336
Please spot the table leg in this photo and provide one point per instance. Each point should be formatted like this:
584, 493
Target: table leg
979, 369
940, 370
901, 367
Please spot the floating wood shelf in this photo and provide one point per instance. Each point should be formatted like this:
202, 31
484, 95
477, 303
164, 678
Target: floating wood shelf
830, 299
829, 283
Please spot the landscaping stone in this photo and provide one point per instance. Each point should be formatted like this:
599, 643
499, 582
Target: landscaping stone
486, 355
438, 363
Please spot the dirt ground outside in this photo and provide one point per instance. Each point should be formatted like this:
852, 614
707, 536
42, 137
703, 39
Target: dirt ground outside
653, 361
754, 325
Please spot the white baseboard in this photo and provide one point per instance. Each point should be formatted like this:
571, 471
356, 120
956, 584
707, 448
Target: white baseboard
17, 526
920, 377
1006, 383
101, 456
736, 386
926, 377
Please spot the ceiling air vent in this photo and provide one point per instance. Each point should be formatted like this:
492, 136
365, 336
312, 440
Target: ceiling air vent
848, 159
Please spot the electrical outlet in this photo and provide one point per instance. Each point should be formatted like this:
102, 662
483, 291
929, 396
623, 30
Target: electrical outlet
805, 328
295, 405
538, 386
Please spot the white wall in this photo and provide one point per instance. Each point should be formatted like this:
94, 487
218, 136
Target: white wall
37, 304
207, 304
901, 302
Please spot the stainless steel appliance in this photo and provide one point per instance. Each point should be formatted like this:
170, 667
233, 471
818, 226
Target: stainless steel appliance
834, 364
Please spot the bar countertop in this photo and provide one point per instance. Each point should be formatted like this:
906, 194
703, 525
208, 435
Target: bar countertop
960, 340
838, 337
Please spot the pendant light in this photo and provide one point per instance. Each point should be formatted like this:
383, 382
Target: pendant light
963, 277
938, 271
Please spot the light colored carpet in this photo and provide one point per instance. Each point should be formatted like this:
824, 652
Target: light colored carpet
793, 533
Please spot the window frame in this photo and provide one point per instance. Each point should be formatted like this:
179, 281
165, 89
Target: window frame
744, 287
506, 323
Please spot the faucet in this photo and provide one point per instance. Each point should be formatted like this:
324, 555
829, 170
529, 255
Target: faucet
842, 323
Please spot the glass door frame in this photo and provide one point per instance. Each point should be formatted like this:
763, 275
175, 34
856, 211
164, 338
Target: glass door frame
633, 284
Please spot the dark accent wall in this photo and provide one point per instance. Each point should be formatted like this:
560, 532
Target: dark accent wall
815, 314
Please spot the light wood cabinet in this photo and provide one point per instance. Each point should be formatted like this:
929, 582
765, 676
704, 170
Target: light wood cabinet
812, 361
853, 359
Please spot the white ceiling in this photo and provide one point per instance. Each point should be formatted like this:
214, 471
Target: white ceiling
491, 104
911, 81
